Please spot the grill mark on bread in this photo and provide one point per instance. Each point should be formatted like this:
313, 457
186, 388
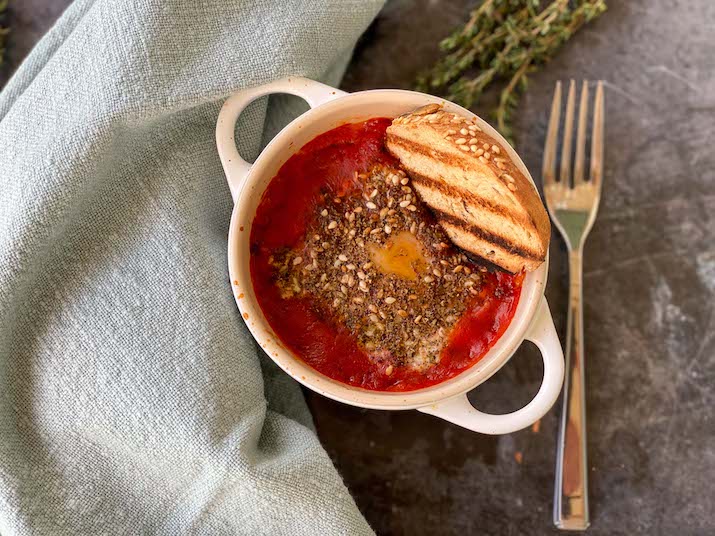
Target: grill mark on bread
493, 238
424, 150
462, 194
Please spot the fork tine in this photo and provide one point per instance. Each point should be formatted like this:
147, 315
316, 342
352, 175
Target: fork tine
549, 167
565, 174
578, 166
597, 137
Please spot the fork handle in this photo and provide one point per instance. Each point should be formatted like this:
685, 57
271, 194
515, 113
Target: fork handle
571, 490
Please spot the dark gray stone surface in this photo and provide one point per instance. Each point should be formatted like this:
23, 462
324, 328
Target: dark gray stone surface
649, 294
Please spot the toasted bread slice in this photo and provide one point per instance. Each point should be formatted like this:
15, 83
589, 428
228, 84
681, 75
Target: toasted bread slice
479, 196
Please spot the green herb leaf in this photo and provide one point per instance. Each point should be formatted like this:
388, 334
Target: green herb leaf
3, 31
501, 43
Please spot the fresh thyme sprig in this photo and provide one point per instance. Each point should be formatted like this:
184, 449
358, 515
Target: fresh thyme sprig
501, 43
3, 31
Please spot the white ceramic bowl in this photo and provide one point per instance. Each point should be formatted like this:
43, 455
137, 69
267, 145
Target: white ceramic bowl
330, 108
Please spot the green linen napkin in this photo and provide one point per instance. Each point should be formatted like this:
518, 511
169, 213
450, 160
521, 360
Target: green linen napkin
132, 397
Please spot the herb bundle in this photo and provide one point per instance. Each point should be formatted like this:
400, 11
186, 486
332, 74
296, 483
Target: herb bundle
503, 41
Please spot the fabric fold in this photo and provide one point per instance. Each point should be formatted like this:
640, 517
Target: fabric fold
132, 397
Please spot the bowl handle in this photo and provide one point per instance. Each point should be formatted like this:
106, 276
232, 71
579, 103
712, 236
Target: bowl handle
235, 167
459, 410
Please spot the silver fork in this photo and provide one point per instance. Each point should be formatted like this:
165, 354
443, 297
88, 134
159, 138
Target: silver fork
573, 209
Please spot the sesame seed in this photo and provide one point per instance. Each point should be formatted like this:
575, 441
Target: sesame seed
411, 208
390, 300
496, 149
473, 148
451, 132
358, 300
473, 140
337, 200
350, 266
374, 318
437, 273
342, 257
388, 229
325, 245
297, 261
464, 132
367, 266
464, 147
485, 146
402, 313
332, 225
372, 308
487, 155
482, 160
511, 187
389, 369
460, 141
371, 205
324, 212
428, 279
373, 194
508, 177
403, 204
405, 181
413, 228
480, 152
418, 318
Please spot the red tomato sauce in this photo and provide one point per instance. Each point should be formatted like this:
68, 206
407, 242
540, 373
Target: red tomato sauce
328, 164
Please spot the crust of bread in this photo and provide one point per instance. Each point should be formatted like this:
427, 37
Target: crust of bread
479, 196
